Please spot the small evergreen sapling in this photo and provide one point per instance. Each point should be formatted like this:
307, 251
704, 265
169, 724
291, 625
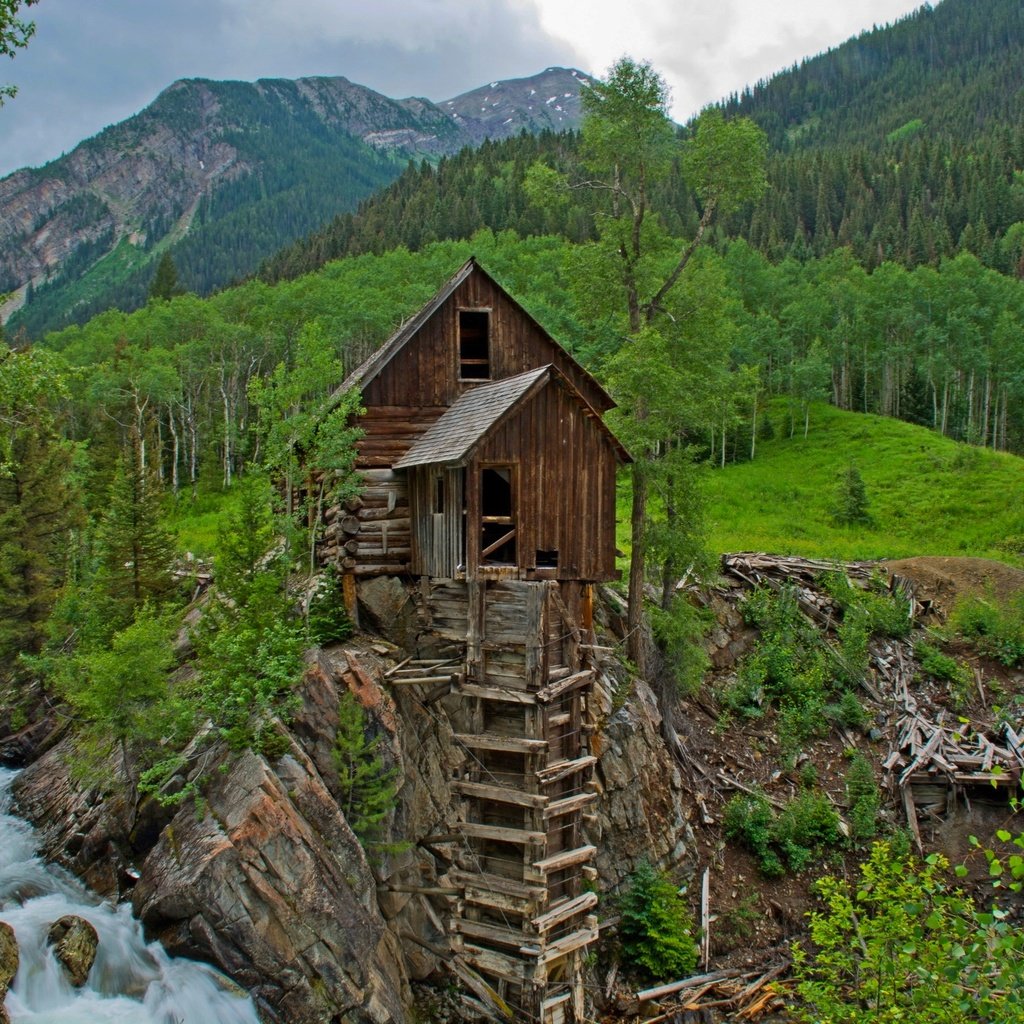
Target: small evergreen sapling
657, 935
367, 788
851, 505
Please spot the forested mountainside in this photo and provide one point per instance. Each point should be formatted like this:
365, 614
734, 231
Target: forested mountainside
222, 174
916, 156
948, 69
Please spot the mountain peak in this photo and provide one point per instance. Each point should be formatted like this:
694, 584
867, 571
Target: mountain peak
548, 100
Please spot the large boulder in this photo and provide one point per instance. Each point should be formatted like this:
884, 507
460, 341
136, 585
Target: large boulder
74, 943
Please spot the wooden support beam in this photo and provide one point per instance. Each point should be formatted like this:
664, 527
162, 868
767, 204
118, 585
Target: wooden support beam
419, 680
425, 890
564, 911
574, 940
500, 542
566, 859
510, 937
491, 692
563, 769
569, 805
500, 901
508, 744
502, 965
560, 686
501, 794
498, 883
503, 834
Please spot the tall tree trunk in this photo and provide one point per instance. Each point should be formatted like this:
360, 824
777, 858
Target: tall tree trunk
227, 433
970, 408
636, 639
986, 408
175, 450
753, 429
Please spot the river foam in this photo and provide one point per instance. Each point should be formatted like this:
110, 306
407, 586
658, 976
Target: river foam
131, 982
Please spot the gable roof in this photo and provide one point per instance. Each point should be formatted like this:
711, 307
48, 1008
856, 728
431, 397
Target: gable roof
371, 367
452, 439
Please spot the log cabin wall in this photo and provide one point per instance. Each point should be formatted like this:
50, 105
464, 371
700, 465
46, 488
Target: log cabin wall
371, 534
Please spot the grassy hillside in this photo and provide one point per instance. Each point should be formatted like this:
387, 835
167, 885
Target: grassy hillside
928, 495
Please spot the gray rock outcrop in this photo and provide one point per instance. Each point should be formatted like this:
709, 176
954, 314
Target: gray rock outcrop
270, 884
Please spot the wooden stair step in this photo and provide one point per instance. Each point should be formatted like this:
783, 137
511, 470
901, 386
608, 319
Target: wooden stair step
508, 744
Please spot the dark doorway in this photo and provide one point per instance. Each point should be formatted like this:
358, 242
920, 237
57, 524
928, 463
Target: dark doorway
497, 518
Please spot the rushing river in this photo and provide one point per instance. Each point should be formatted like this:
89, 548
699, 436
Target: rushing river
131, 982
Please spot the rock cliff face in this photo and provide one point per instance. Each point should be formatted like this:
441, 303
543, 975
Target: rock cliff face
269, 883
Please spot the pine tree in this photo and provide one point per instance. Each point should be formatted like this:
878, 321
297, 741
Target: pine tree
851, 498
39, 501
165, 284
38, 508
367, 789
136, 552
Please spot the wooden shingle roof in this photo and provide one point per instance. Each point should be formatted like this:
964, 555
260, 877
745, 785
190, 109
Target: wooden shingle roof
453, 437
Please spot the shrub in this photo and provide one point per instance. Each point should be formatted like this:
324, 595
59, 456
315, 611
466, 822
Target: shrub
995, 630
848, 711
655, 928
327, 620
807, 825
946, 669
901, 945
750, 821
881, 611
788, 839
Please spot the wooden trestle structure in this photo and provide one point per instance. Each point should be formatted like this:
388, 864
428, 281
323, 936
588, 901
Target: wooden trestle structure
526, 911
489, 484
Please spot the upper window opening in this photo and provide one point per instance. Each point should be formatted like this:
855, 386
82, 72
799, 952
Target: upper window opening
474, 344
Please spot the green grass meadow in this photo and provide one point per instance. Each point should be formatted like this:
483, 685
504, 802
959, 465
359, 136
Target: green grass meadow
927, 495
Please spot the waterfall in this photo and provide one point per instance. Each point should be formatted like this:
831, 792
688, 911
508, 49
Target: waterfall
131, 982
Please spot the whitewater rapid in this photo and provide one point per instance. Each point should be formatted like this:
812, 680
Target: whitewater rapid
131, 982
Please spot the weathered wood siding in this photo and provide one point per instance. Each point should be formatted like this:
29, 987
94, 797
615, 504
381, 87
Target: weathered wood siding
424, 375
564, 490
437, 536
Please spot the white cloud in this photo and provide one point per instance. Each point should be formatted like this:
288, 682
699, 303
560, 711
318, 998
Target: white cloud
706, 50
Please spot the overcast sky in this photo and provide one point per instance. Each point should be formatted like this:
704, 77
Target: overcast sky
95, 62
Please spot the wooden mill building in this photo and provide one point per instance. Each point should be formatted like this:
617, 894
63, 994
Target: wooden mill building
490, 478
